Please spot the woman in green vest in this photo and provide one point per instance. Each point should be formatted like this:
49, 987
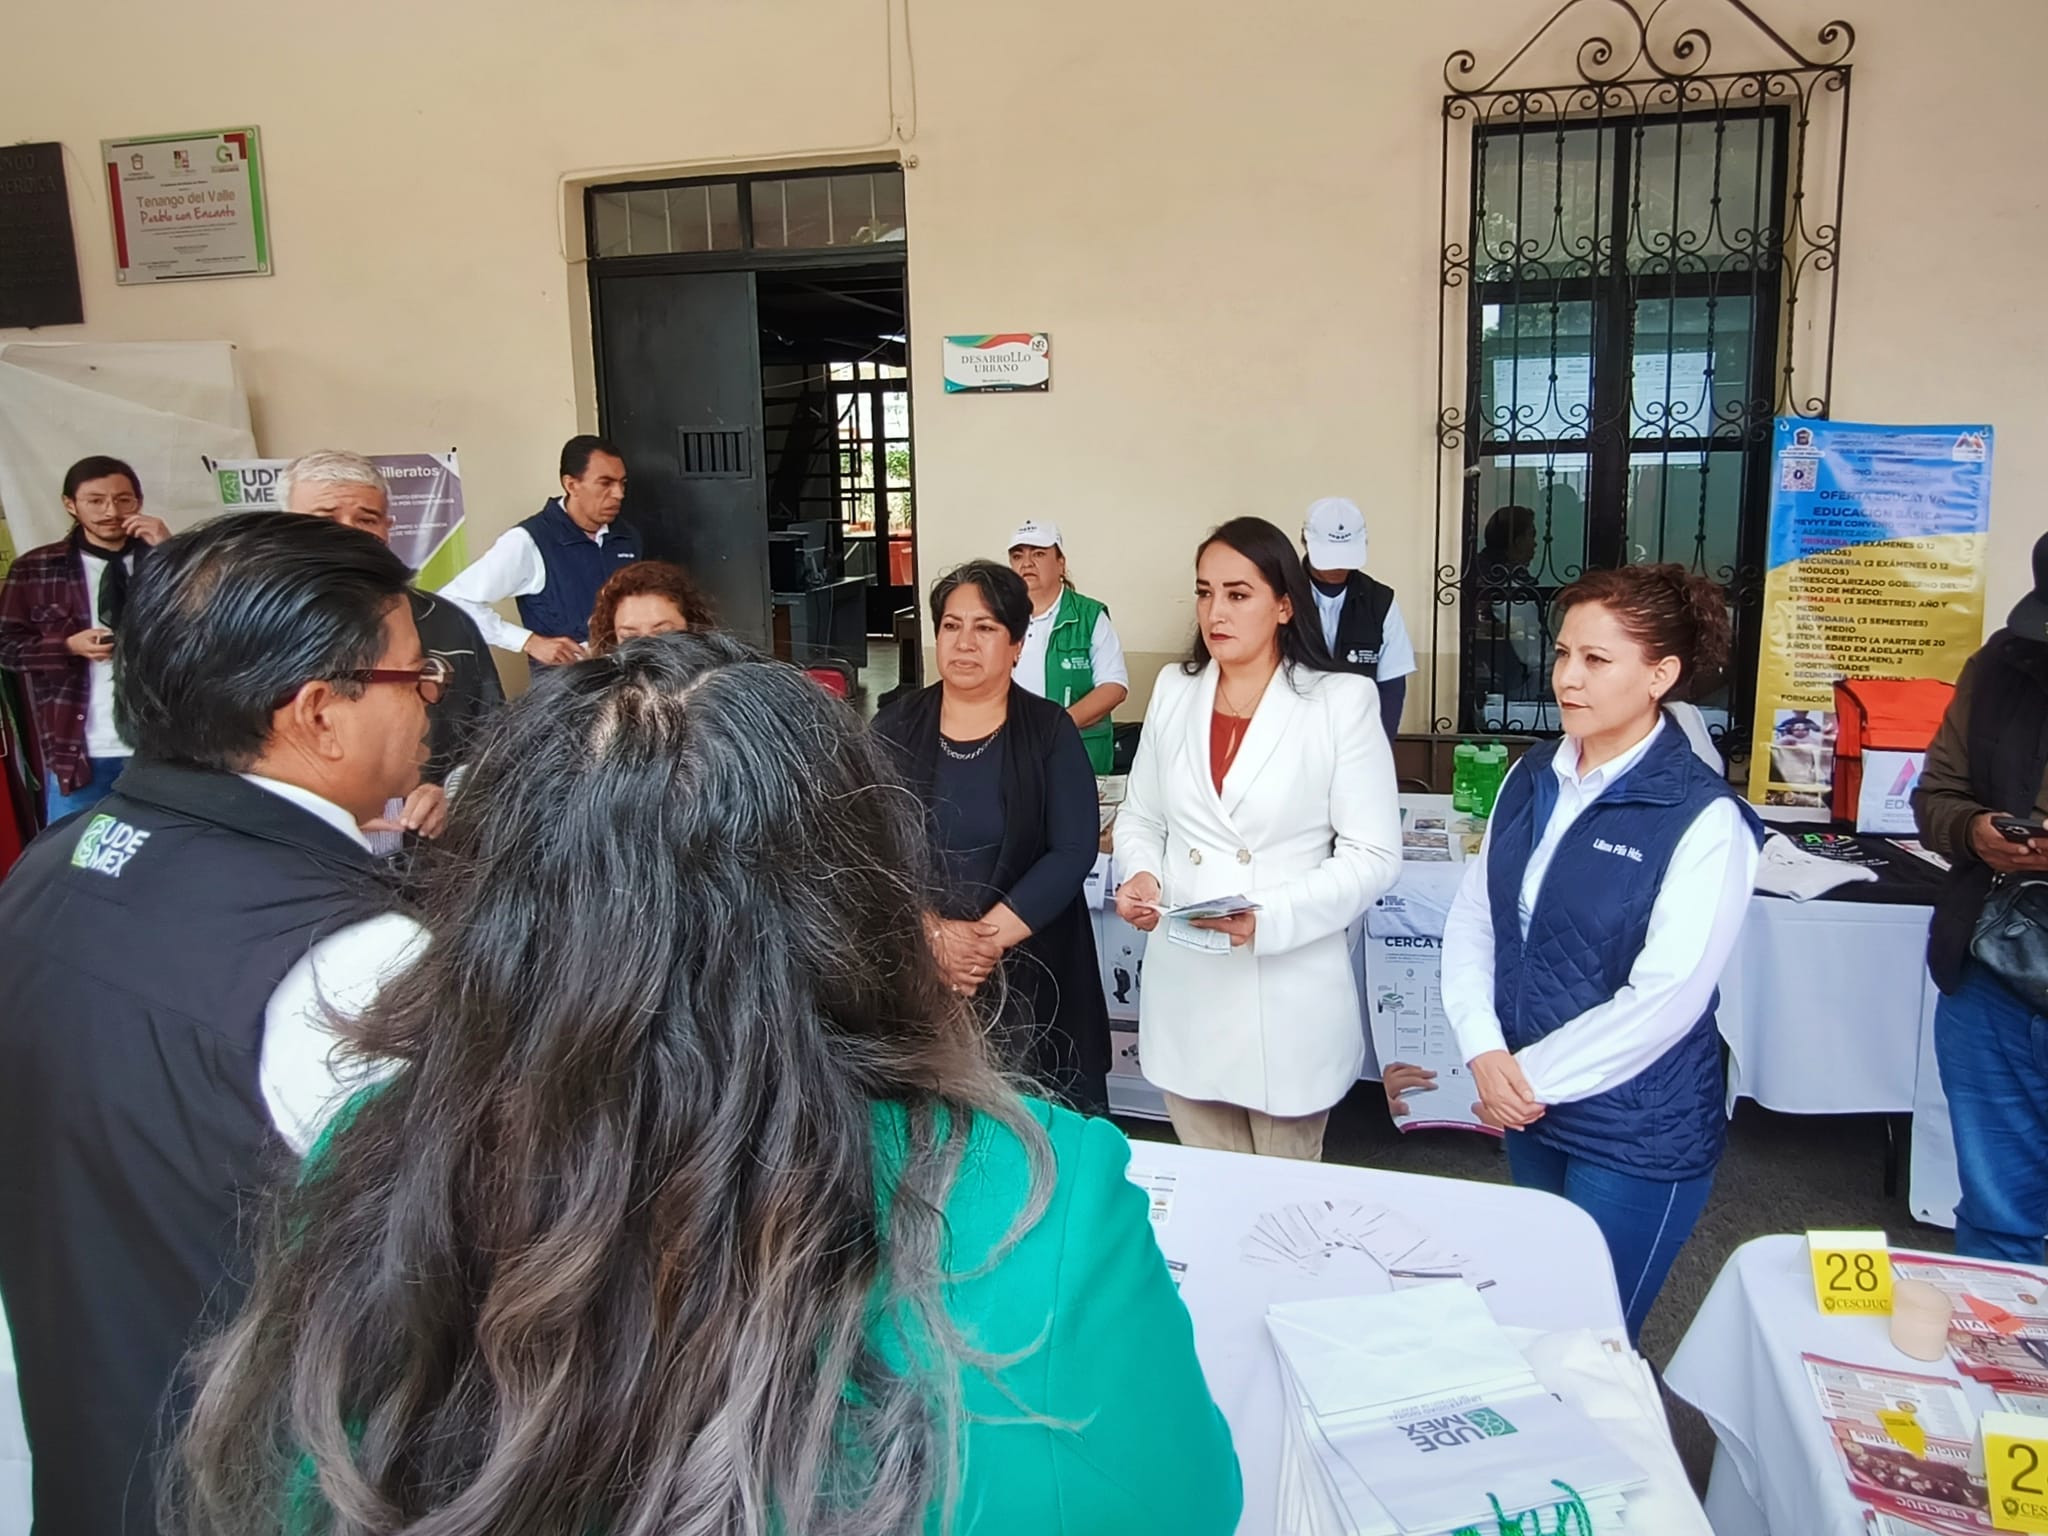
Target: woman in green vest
1071, 653
693, 1201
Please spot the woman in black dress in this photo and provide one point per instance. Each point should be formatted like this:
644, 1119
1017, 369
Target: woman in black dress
1011, 797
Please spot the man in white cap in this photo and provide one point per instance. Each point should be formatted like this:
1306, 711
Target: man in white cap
1361, 620
1071, 653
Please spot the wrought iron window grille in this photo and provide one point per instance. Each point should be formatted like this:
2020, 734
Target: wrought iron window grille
1639, 269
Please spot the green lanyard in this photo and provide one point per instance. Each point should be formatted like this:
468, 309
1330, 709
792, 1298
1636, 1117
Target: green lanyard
1573, 1518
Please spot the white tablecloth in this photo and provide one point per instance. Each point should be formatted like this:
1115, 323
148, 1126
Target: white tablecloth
1775, 1472
1547, 1255
1549, 1259
1823, 1004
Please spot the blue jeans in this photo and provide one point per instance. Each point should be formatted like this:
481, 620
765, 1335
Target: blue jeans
1645, 1221
1993, 1053
57, 805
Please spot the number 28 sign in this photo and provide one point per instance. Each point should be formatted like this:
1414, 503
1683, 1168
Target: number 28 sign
1852, 1273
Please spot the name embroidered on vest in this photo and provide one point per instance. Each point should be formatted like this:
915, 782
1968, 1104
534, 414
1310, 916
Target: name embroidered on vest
1601, 845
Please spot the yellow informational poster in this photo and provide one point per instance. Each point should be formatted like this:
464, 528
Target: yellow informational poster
1876, 570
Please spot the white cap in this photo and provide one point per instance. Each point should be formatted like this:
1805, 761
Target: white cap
1038, 535
1335, 535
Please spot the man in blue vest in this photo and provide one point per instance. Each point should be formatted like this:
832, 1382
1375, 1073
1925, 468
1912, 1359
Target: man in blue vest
1361, 620
555, 561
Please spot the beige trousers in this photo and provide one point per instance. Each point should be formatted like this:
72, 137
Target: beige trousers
1233, 1128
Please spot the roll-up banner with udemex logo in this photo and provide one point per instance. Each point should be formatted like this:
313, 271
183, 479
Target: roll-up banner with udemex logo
426, 505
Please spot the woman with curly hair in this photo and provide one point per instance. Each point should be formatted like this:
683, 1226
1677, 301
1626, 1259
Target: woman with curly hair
648, 597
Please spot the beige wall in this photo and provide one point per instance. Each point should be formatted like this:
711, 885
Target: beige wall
1226, 216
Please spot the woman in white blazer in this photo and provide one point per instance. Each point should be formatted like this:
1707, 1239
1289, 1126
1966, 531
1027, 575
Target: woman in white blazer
1262, 772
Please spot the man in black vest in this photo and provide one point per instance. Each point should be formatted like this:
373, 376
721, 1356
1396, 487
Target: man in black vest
347, 488
1982, 802
555, 561
167, 958
1361, 620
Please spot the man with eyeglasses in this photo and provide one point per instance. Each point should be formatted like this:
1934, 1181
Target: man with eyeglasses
58, 612
347, 488
174, 963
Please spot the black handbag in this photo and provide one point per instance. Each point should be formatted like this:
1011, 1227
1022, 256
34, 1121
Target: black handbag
2011, 938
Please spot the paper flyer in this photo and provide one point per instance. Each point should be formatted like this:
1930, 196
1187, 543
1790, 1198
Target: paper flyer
1871, 1414
1405, 1012
1998, 1330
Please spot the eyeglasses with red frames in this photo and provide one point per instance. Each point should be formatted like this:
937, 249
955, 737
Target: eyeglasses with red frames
432, 678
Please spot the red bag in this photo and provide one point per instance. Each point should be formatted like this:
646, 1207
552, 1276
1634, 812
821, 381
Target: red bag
1882, 715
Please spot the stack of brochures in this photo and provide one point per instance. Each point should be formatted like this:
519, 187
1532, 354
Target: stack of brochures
1413, 1414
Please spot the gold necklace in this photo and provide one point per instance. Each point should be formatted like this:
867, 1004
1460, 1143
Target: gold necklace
1230, 707
1233, 734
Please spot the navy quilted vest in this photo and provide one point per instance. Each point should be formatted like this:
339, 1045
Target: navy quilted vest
1591, 917
577, 566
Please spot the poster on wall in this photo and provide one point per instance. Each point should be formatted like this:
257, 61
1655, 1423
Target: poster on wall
188, 205
426, 504
1876, 569
1001, 364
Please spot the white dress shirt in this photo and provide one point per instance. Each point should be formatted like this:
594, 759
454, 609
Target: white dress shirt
1397, 651
102, 739
304, 1072
1694, 923
512, 567
1105, 653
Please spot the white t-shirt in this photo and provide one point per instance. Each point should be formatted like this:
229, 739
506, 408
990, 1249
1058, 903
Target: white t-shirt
101, 739
1397, 653
1105, 652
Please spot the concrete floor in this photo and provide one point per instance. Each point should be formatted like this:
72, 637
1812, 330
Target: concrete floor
1781, 1173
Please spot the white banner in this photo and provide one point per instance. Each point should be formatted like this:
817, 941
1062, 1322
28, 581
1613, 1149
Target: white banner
160, 405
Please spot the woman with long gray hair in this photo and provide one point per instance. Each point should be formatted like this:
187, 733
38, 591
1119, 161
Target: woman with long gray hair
695, 1204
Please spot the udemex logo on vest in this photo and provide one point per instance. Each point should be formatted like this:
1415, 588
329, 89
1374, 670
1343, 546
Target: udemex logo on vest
106, 845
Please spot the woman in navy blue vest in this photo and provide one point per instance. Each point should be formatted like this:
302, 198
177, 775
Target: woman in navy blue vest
1581, 955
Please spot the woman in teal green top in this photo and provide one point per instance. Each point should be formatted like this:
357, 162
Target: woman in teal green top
694, 1204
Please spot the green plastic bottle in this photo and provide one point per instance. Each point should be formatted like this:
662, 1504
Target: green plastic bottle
1464, 777
1490, 772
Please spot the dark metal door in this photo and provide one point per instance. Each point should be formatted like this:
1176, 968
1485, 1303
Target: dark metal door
679, 390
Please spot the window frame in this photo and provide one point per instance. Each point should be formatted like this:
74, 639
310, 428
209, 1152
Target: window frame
754, 254
1613, 291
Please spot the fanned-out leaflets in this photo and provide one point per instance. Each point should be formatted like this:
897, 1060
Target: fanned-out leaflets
1998, 1323
1412, 1414
1907, 1445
